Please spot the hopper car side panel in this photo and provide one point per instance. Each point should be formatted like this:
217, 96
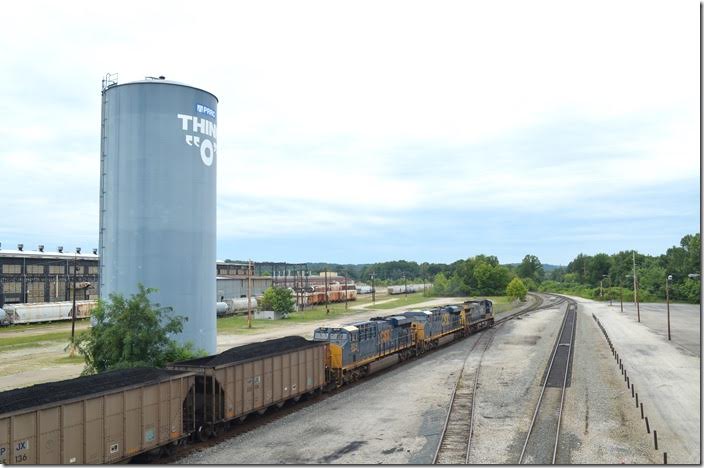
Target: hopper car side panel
104, 427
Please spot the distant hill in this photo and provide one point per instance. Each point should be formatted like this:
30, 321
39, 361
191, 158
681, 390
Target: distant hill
546, 266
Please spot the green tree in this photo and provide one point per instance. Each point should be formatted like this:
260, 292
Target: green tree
439, 285
279, 300
132, 332
516, 289
531, 268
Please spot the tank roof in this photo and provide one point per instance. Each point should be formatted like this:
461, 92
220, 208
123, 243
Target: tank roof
159, 80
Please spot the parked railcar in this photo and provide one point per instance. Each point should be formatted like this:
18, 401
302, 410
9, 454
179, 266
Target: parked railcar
253, 377
103, 418
14, 314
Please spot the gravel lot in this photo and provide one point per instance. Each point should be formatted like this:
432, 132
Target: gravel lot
667, 377
509, 385
600, 421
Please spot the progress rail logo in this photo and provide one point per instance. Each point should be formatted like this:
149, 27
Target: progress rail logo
207, 142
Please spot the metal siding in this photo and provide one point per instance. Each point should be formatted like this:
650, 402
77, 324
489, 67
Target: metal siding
278, 378
239, 390
248, 382
268, 381
158, 202
93, 413
114, 422
286, 375
72, 433
4, 441
258, 388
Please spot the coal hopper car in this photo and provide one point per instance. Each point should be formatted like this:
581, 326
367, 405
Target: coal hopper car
251, 378
103, 418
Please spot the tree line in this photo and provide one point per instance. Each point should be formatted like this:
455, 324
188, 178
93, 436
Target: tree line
603, 276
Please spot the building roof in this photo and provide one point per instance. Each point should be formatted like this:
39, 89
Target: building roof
10, 253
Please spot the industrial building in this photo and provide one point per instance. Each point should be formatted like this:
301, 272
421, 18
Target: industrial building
41, 276
29, 276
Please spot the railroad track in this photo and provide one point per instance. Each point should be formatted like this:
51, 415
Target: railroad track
457, 431
543, 437
456, 437
255, 421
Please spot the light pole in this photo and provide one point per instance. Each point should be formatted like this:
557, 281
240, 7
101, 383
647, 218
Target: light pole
344, 276
602, 280
405, 287
635, 286
667, 295
373, 289
621, 290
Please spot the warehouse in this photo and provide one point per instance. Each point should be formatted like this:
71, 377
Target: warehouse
39, 276
233, 287
29, 276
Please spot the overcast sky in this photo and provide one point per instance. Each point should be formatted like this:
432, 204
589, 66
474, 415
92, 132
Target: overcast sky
376, 130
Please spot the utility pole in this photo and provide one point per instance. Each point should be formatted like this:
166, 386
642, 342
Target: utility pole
249, 294
621, 289
635, 285
405, 287
344, 277
373, 290
667, 294
73, 309
327, 309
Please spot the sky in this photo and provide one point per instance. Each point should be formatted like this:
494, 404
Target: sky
356, 132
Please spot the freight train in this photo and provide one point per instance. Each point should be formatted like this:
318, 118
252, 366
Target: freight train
114, 416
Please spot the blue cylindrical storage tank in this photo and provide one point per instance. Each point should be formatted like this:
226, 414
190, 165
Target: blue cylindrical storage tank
157, 199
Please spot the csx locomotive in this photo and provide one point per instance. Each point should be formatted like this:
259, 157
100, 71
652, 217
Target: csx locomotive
360, 348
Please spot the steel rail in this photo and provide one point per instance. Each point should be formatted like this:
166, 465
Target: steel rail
474, 399
564, 381
452, 402
540, 303
542, 391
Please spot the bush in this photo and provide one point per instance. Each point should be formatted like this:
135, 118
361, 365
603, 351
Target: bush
516, 289
132, 333
279, 300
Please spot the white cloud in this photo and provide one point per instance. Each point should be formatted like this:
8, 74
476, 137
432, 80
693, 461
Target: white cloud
332, 114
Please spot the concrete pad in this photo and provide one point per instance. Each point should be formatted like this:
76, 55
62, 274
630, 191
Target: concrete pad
666, 376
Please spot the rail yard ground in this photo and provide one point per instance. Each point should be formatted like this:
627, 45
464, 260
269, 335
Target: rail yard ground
397, 416
368, 423
35, 354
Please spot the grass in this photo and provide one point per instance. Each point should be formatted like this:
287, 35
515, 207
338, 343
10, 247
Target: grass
402, 301
58, 325
76, 359
15, 342
238, 324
